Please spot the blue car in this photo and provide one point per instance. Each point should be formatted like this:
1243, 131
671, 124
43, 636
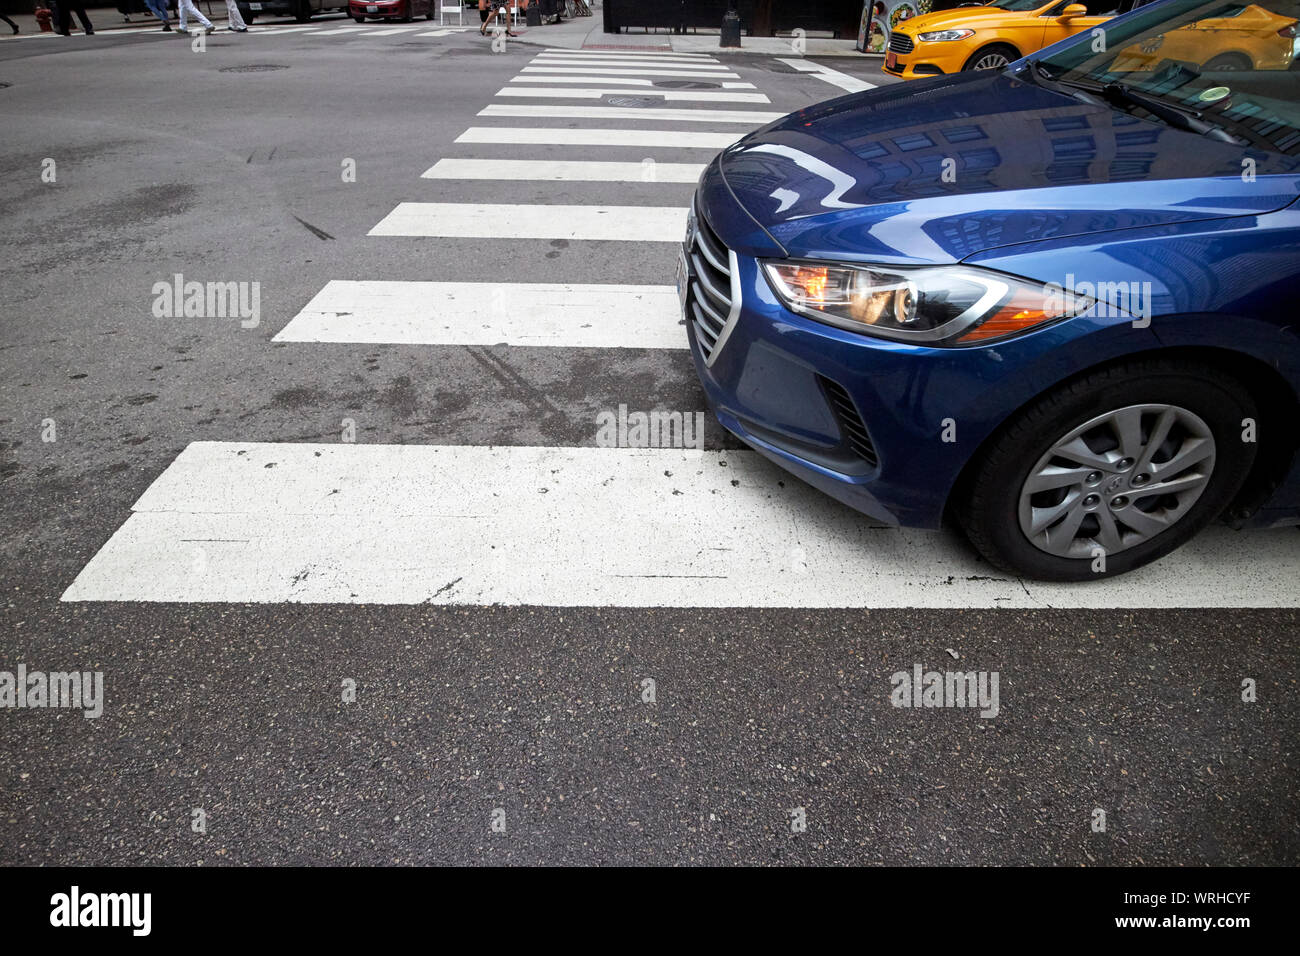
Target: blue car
1054, 304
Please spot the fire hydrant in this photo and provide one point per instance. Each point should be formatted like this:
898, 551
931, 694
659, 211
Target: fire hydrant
43, 19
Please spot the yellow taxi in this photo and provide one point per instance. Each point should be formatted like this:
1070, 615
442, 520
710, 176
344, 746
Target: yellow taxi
989, 37
1247, 38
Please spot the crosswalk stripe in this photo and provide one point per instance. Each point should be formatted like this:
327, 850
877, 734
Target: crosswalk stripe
342, 31
476, 525
616, 71
845, 82
473, 313
388, 31
505, 221
673, 96
644, 54
753, 118
436, 33
630, 64
616, 80
647, 138
267, 31
542, 170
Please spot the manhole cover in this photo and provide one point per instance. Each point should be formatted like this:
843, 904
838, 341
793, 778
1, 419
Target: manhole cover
687, 85
633, 101
254, 68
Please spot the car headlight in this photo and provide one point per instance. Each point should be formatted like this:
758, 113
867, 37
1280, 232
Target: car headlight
941, 35
938, 305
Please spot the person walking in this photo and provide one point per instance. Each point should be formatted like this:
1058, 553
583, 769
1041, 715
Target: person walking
234, 19
10, 22
187, 6
159, 10
66, 9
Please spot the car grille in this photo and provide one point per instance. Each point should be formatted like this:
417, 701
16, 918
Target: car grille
712, 301
900, 42
850, 420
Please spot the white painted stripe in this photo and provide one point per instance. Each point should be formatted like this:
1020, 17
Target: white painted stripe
510, 313
617, 71
342, 31
470, 525
649, 54
674, 96
616, 80
752, 118
501, 221
845, 82
388, 31
645, 138
543, 170
663, 61
267, 31
632, 64
436, 33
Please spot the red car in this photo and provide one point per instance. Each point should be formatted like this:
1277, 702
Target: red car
361, 10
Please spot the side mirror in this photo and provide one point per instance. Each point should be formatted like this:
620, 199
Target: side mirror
1072, 11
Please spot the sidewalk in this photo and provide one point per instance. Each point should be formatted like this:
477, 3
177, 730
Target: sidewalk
107, 19
587, 33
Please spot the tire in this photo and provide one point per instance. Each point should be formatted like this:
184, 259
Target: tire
359, 19
999, 509
989, 56
1226, 62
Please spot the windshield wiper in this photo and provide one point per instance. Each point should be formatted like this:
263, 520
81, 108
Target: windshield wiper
1190, 121
1118, 94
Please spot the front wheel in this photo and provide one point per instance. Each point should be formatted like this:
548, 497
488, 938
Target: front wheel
993, 57
1109, 472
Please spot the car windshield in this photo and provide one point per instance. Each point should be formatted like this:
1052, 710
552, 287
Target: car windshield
1212, 64
1017, 4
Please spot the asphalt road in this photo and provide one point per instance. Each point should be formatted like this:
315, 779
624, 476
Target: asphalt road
470, 713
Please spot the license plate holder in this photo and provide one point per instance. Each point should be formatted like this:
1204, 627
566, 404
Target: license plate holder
255, 6
891, 60
371, 8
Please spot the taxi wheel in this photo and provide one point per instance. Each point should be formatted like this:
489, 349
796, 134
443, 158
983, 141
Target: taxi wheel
993, 57
1228, 62
1110, 471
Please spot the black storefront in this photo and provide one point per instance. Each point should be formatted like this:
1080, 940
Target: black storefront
757, 17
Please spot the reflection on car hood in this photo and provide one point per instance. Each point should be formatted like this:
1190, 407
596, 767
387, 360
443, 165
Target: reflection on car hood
935, 171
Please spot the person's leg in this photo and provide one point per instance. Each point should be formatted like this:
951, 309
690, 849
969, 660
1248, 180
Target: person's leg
85, 20
159, 10
187, 8
10, 22
63, 21
233, 18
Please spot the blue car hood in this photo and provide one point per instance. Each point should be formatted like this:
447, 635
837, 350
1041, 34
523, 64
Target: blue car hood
936, 171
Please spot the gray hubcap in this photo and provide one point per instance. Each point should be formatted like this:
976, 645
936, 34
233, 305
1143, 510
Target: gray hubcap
991, 61
1117, 480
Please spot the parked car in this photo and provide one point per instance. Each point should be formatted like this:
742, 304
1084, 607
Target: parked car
300, 10
1052, 303
361, 10
991, 36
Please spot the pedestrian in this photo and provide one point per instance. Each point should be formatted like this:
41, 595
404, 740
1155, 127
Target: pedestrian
66, 9
234, 19
491, 10
10, 22
159, 9
187, 6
